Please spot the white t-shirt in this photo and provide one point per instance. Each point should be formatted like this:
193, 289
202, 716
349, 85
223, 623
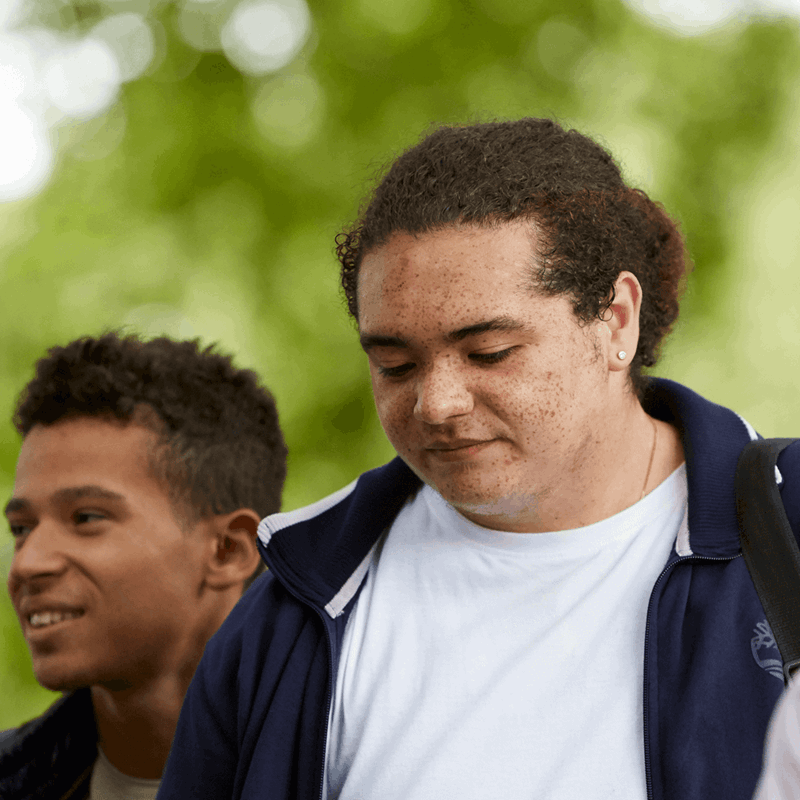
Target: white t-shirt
482, 664
108, 783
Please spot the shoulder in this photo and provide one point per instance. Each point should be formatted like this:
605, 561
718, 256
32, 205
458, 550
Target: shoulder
68, 710
52, 750
319, 551
258, 633
313, 555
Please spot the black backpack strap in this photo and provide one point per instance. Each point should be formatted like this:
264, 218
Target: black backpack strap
769, 546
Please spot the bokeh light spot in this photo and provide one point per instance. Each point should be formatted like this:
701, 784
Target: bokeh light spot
26, 155
289, 110
9, 12
559, 44
398, 18
199, 24
688, 16
83, 78
160, 319
265, 35
131, 40
694, 17
16, 66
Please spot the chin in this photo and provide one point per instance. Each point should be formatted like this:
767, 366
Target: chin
58, 678
488, 504
475, 502
461, 491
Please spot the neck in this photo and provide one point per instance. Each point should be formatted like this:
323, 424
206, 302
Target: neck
136, 722
135, 726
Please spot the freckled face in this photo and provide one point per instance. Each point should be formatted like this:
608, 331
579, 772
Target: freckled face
491, 392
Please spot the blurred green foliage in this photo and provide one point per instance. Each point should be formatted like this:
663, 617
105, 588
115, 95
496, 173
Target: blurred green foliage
205, 201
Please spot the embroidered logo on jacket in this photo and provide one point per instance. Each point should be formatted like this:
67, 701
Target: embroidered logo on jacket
765, 651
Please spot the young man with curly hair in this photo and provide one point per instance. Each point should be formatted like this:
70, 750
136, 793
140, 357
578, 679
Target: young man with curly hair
144, 469
542, 597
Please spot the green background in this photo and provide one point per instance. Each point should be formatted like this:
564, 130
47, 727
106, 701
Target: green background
205, 203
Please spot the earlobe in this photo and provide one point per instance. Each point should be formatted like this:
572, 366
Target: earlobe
623, 323
235, 556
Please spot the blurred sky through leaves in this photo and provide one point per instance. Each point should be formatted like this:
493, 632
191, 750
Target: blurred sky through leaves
183, 167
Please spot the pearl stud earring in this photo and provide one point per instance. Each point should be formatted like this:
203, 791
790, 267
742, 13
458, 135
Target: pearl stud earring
621, 355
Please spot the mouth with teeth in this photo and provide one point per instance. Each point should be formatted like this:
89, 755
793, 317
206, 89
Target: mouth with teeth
42, 619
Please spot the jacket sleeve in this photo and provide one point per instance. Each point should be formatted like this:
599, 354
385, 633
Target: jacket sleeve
254, 721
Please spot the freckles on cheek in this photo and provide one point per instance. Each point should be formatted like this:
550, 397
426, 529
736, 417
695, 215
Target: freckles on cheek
392, 421
545, 415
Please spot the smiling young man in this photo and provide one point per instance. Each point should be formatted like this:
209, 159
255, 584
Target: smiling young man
134, 516
542, 597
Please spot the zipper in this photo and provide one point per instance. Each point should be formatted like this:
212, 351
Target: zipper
329, 695
648, 774
328, 701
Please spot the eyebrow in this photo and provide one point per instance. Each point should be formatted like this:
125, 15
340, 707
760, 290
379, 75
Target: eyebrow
65, 495
490, 326
369, 341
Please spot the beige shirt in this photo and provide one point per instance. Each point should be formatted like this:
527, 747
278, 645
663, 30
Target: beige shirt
108, 783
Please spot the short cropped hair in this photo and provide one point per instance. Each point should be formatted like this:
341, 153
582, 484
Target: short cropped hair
218, 443
591, 226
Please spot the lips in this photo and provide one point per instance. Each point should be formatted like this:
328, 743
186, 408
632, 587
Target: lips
456, 444
458, 449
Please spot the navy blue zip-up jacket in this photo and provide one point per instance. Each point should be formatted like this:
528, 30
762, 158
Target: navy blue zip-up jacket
51, 757
254, 722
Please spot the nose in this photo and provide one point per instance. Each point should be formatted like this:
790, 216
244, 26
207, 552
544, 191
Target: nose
36, 558
442, 393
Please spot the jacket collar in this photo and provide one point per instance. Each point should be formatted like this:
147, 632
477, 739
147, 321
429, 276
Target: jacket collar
322, 552
713, 438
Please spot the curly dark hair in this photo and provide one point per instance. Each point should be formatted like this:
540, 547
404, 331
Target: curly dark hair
591, 226
219, 446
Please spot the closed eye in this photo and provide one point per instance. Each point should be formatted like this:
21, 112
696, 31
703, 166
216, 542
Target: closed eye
492, 358
394, 372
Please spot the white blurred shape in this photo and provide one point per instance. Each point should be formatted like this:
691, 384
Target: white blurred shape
83, 79
12, 80
698, 16
26, 155
688, 16
17, 65
265, 35
9, 12
791, 7
12, 83
130, 39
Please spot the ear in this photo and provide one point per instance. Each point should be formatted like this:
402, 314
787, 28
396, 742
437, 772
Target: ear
622, 321
235, 556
